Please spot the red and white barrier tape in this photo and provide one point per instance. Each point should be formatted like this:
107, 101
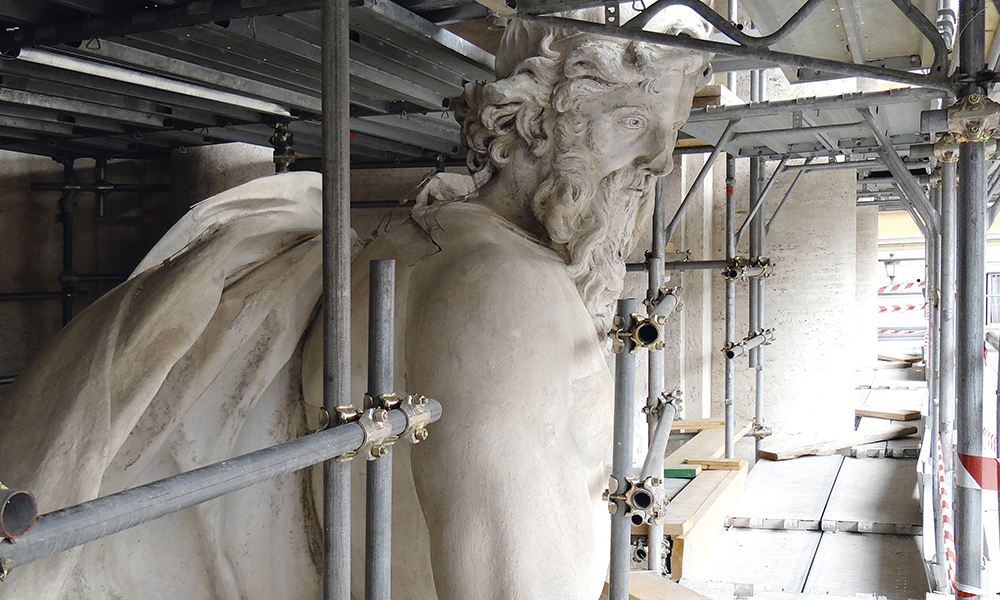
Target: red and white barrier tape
948, 531
900, 331
901, 287
895, 308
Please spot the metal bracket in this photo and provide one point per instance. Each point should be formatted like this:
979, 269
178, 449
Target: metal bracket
973, 118
378, 435
346, 414
761, 431
646, 332
748, 268
612, 13
6, 565
654, 413
654, 303
418, 416
640, 498
946, 148
388, 401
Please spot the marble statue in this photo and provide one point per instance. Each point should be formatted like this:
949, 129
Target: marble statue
504, 301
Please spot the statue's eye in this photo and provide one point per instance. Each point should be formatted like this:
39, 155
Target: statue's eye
633, 122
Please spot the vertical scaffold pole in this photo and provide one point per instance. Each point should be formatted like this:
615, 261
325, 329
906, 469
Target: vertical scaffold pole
971, 307
378, 522
730, 402
621, 458
654, 539
947, 364
336, 289
757, 225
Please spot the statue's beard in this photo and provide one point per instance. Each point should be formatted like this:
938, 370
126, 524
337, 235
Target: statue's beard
590, 224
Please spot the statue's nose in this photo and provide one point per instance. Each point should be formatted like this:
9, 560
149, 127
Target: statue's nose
659, 160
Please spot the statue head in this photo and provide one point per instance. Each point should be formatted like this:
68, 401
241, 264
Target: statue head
602, 114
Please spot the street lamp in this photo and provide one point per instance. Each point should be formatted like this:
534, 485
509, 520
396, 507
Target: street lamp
890, 267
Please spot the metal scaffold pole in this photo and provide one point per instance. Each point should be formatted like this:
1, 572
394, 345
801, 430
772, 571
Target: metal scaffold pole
758, 92
730, 402
336, 289
621, 460
971, 305
378, 514
933, 365
654, 538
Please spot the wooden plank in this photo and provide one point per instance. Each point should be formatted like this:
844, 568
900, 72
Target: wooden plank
725, 464
690, 549
649, 585
856, 438
681, 471
678, 516
710, 443
889, 414
696, 425
903, 359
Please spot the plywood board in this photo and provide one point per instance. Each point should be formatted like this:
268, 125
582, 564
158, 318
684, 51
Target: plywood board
878, 496
691, 549
889, 414
831, 446
787, 494
710, 443
647, 585
768, 560
724, 464
696, 425
860, 563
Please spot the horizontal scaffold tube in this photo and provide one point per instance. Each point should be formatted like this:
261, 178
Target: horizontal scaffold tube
77, 525
748, 344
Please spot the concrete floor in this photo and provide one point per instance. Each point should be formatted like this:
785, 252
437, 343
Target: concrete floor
829, 525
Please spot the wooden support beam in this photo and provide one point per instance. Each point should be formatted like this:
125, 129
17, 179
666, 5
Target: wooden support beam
691, 548
679, 515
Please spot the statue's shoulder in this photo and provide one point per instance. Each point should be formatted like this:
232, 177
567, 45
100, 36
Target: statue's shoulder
471, 232
488, 262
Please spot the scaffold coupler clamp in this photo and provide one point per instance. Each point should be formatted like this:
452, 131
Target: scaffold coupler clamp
283, 142
748, 268
946, 148
664, 302
655, 412
638, 498
761, 431
378, 435
646, 332
418, 416
973, 118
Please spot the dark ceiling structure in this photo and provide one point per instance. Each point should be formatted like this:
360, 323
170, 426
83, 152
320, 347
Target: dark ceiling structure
122, 78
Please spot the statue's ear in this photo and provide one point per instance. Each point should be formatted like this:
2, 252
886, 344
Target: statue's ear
706, 75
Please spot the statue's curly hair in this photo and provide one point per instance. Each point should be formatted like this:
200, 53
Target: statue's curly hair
560, 65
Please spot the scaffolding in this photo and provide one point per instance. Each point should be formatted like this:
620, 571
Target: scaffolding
953, 220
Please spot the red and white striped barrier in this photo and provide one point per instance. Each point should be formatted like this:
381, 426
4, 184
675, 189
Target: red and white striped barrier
897, 288
948, 530
895, 308
900, 331
982, 473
